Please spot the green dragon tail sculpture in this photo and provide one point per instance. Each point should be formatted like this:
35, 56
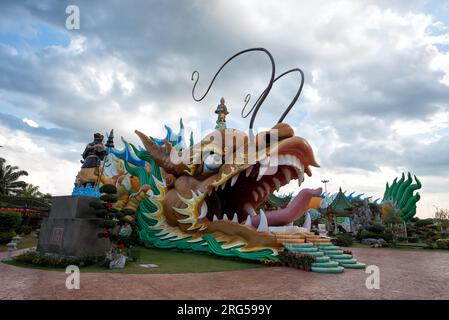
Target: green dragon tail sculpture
400, 195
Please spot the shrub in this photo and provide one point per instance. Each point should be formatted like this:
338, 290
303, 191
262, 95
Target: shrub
271, 263
442, 243
376, 227
388, 236
365, 234
108, 188
424, 222
9, 221
343, 240
128, 212
54, 260
23, 229
108, 224
109, 198
413, 239
297, 260
6, 236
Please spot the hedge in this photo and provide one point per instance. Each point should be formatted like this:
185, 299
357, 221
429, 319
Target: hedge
9, 222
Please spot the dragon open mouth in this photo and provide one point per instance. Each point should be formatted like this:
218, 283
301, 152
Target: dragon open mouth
237, 198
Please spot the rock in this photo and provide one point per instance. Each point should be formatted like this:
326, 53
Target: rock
369, 241
375, 243
362, 217
118, 262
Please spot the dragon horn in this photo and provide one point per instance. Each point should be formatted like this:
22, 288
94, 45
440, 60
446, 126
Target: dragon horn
161, 155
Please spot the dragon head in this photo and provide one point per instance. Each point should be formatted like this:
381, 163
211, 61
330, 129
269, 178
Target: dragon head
218, 194
205, 197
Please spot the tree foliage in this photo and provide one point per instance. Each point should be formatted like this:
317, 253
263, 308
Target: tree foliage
10, 183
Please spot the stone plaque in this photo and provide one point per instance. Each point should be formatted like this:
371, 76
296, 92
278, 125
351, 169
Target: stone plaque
56, 236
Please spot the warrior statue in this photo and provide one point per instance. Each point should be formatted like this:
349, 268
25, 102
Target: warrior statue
222, 111
93, 154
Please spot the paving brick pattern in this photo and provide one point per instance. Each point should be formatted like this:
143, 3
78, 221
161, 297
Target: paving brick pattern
403, 275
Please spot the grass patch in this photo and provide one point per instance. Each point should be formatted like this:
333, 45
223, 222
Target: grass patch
27, 241
169, 261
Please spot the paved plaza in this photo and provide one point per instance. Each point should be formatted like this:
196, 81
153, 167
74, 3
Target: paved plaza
403, 275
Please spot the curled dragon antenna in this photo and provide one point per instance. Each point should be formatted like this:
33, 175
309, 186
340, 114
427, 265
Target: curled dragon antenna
262, 97
290, 106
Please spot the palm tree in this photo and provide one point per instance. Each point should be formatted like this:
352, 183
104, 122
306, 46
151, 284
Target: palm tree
9, 179
31, 191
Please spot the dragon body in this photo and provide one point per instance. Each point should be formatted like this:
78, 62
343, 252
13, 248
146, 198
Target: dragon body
207, 207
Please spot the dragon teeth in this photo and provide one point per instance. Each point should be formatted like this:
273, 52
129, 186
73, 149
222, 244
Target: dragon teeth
261, 191
203, 210
223, 185
263, 222
287, 174
248, 171
262, 171
234, 179
277, 183
249, 209
215, 218
248, 221
235, 218
225, 217
267, 187
255, 195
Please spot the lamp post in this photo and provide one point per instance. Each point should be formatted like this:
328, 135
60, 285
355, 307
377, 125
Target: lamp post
325, 185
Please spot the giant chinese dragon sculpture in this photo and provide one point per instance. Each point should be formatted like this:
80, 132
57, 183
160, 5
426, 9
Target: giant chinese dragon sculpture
209, 205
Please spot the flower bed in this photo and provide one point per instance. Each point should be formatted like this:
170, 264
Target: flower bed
297, 260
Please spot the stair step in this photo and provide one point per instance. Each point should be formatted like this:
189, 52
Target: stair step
330, 264
318, 241
345, 261
328, 270
326, 248
307, 250
314, 253
323, 244
290, 241
333, 251
322, 259
357, 265
299, 245
340, 256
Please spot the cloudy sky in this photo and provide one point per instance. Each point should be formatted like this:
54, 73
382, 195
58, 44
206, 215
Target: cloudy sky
375, 102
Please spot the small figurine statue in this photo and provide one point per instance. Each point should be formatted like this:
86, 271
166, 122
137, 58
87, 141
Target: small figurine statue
93, 154
222, 111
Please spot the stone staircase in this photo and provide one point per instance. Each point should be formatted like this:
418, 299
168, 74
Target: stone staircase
329, 258
300, 237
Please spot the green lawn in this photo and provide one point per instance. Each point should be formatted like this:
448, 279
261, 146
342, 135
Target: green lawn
169, 262
27, 241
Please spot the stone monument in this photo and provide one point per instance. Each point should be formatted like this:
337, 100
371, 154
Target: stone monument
71, 229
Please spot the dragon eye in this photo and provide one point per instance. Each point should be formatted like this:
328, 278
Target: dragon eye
212, 162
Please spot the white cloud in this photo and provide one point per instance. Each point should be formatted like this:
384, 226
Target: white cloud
30, 122
42, 161
375, 98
